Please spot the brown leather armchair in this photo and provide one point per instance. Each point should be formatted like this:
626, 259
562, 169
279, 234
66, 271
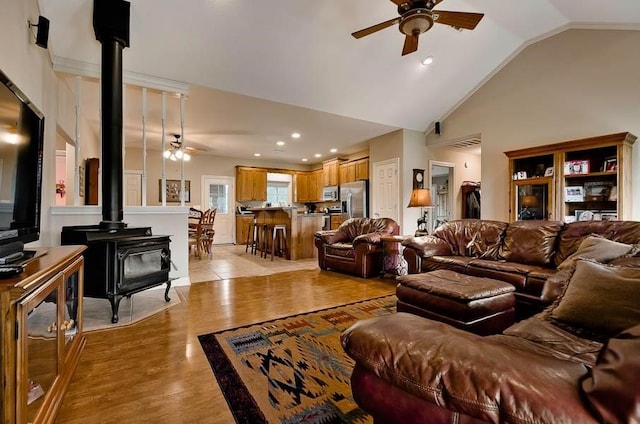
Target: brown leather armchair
355, 247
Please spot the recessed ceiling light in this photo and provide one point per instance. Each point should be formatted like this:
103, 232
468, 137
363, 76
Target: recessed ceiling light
427, 60
295, 135
333, 150
304, 159
280, 143
318, 155
256, 154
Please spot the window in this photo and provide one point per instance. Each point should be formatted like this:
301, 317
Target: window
218, 197
278, 193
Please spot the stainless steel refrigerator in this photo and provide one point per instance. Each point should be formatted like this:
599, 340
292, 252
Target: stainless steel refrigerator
353, 196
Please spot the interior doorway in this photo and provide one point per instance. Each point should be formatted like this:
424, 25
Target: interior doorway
441, 178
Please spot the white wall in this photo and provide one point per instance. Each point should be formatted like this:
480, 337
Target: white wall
29, 67
576, 84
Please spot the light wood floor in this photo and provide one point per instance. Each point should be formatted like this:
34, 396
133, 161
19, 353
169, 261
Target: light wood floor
154, 371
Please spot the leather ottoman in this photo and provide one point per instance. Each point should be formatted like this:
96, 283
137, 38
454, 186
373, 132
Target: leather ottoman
480, 305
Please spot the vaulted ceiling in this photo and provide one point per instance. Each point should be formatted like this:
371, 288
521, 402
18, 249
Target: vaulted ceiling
259, 70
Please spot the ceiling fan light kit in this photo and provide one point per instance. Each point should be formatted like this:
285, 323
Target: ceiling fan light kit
417, 17
176, 151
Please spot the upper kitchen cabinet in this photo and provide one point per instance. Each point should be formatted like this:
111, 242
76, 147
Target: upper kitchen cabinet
251, 184
330, 171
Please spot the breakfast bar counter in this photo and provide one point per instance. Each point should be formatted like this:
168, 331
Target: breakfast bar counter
301, 228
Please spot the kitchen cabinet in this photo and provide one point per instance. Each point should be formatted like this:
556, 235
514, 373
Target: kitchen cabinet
362, 169
336, 220
316, 182
331, 171
584, 179
303, 192
41, 334
251, 184
354, 170
242, 227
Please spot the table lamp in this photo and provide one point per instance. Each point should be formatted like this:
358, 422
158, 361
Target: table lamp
528, 201
421, 197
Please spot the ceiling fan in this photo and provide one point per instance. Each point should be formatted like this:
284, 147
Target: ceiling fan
417, 16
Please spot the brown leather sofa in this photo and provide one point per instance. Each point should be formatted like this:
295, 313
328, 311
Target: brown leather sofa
355, 247
410, 369
524, 253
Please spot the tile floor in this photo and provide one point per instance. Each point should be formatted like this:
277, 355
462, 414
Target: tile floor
231, 261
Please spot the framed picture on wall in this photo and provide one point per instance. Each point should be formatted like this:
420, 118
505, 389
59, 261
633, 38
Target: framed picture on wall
418, 179
173, 190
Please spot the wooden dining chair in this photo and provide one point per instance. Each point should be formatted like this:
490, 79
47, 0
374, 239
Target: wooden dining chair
202, 239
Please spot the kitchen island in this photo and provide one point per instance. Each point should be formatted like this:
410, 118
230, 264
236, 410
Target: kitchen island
301, 228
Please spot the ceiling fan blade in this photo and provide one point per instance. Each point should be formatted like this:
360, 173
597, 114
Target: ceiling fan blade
374, 28
465, 20
400, 2
410, 44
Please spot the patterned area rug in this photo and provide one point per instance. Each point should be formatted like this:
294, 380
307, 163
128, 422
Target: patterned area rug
291, 370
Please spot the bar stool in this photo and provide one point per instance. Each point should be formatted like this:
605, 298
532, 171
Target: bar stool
264, 243
279, 236
253, 237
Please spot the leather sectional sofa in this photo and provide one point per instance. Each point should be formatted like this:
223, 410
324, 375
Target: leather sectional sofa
577, 361
524, 254
355, 247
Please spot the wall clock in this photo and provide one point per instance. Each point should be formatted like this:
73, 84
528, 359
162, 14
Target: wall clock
418, 178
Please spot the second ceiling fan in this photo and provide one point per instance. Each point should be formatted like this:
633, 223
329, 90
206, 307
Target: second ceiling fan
417, 16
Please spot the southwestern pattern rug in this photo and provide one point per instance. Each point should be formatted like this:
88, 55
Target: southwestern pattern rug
293, 369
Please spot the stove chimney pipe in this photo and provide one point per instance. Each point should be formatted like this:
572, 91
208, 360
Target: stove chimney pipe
111, 27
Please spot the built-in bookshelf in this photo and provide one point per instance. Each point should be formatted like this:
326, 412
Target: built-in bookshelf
585, 179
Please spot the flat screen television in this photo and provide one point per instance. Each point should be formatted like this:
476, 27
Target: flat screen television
21, 145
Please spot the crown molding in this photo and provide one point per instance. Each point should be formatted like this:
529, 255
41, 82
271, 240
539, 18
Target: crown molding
92, 70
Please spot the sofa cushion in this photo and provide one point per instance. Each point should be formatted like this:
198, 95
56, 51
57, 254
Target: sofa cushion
454, 263
472, 237
597, 248
530, 242
344, 250
613, 386
555, 341
599, 301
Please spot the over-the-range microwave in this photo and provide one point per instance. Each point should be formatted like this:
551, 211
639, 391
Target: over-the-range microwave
330, 194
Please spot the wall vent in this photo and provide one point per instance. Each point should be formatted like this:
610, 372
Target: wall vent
471, 142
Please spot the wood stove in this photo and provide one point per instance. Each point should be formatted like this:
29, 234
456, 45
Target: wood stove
119, 263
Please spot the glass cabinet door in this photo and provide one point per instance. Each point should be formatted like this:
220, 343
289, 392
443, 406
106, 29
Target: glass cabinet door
532, 200
39, 348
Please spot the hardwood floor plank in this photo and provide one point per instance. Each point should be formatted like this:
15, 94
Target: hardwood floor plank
154, 371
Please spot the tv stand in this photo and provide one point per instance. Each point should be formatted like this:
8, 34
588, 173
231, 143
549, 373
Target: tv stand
41, 336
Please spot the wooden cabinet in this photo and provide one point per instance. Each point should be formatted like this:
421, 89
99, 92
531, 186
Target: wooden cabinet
251, 184
331, 171
242, 227
303, 192
42, 335
316, 182
354, 170
336, 220
362, 169
581, 179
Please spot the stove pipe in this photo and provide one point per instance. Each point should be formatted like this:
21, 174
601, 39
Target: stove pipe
111, 27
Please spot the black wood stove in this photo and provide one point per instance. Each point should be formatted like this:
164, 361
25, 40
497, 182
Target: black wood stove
119, 261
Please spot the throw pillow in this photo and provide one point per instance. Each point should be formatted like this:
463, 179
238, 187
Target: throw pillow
613, 386
599, 301
597, 248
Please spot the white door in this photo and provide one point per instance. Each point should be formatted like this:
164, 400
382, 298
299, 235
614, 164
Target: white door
133, 188
217, 192
386, 190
